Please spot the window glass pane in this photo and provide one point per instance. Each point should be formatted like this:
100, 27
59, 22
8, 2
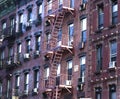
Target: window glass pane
115, 8
113, 47
50, 5
40, 9
71, 3
84, 24
82, 60
60, 2
27, 78
21, 18
58, 70
113, 95
69, 64
4, 25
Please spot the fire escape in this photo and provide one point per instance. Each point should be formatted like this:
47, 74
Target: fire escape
55, 53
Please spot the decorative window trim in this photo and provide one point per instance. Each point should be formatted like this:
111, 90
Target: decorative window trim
36, 68
26, 71
29, 7
38, 33
39, 2
20, 11
28, 37
83, 16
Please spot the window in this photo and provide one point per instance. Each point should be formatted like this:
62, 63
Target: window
98, 93
40, 9
100, 16
84, 1
60, 2
112, 92
49, 3
10, 54
69, 69
113, 51
4, 25
99, 57
19, 48
36, 78
0, 89
28, 42
29, 15
38, 40
72, 3
114, 11
26, 82
48, 37
71, 32
59, 37
47, 72
82, 68
58, 75
84, 29
12, 25
21, 18
2, 56
17, 82
8, 88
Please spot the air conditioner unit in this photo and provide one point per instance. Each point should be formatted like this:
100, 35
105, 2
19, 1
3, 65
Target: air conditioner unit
25, 92
83, 6
35, 90
68, 82
112, 64
26, 56
9, 62
37, 53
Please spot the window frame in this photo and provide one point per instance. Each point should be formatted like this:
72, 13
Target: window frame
69, 69
38, 43
114, 13
99, 57
83, 29
28, 46
82, 68
26, 81
98, 93
36, 78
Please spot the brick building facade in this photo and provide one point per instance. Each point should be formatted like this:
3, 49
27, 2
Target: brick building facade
53, 49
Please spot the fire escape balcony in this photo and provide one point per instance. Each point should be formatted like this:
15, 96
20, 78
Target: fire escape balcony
9, 32
13, 61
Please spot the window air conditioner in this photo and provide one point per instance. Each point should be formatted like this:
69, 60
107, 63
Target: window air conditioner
68, 82
26, 56
35, 90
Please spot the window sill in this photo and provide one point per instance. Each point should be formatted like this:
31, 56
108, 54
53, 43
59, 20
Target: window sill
112, 26
98, 72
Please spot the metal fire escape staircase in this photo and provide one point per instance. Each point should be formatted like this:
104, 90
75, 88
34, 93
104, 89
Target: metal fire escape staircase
57, 53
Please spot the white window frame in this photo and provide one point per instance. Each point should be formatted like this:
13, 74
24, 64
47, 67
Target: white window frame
26, 82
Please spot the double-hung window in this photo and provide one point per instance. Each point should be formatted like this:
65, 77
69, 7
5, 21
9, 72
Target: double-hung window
49, 6
82, 68
17, 82
69, 69
113, 53
99, 57
0, 89
58, 75
2, 56
36, 78
29, 15
72, 3
114, 11
8, 88
26, 82
12, 25
38, 41
28, 42
48, 37
84, 29
112, 92
98, 93
71, 33
100, 16
59, 37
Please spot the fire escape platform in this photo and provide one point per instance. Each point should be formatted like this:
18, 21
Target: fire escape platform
65, 86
